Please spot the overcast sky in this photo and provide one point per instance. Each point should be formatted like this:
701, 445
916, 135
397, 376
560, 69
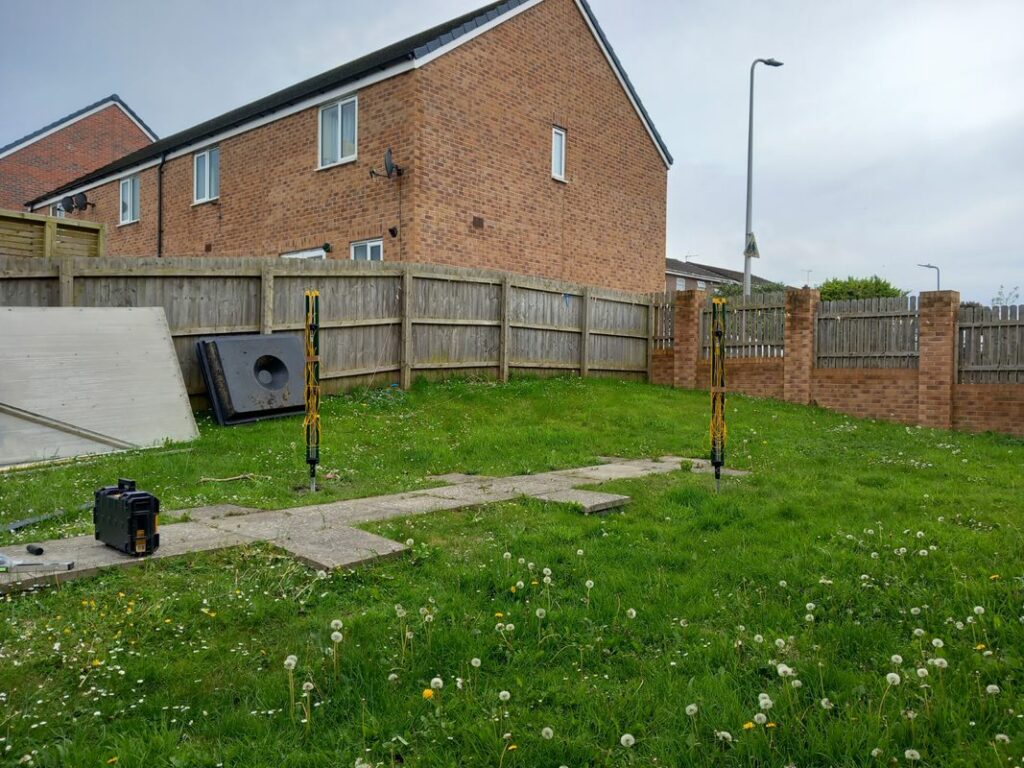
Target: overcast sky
893, 135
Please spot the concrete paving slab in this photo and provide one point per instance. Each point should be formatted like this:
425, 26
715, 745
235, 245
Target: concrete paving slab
592, 502
457, 478
213, 512
336, 547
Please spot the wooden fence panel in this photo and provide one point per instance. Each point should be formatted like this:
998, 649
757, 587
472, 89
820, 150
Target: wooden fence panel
664, 320
991, 345
755, 326
24, 235
867, 333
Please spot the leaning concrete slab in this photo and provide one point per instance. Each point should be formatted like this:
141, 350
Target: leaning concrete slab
592, 502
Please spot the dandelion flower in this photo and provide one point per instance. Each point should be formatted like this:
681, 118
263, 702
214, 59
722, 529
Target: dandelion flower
940, 662
627, 740
1002, 738
307, 686
780, 643
978, 610
918, 632
783, 584
937, 642
912, 754
691, 710
760, 718
507, 556
922, 672
785, 670
896, 659
290, 662
579, 553
474, 662
810, 606
546, 571
589, 584
393, 677
797, 684
892, 678
992, 690
336, 625
504, 695
409, 542
437, 683
541, 613
510, 627
724, 736
336, 637
758, 638
809, 618
630, 613
876, 752
826, 703
428, 694
747, 726
547, 733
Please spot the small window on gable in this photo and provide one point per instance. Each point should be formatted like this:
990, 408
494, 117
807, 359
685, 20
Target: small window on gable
368, 250
338, 132
680, 283
58, 211
130, 200
558, 153
206, 175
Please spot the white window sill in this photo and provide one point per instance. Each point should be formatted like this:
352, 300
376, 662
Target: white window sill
207, 200
343, 161
560, 179
128, 223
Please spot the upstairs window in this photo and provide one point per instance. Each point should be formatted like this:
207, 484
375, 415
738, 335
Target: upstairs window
368, 250
130, 200
338, 130
558, 154
206, 173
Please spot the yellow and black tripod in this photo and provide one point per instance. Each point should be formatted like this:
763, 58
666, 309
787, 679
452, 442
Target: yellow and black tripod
719, 432
312, 421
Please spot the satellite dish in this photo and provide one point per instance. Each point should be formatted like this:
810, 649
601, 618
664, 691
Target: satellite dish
81, 201
390, 169
67, 204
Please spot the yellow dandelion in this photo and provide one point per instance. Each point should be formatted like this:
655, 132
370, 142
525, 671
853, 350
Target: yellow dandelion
994, 577
747, 726
772, 725
535, 582
499, 615
979, 647
511, 747
97, 663
428, 693
513, 589
112, 760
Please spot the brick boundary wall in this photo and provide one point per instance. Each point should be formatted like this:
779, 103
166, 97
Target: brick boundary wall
928, 395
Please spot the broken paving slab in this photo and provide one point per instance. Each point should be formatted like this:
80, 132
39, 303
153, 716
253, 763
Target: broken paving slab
593, 502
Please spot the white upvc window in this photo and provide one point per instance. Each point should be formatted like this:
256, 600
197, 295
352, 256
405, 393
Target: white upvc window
339, 129
58, 211
206, 175
368, 250
130, 200
314, 254
558, 153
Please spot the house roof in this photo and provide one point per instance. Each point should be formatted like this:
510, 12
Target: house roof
112, 99
415, 48
709, 272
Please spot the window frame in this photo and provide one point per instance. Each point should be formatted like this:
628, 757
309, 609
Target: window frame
133, 180
337, 104
564, 134
370, 242
307, 254
195, 168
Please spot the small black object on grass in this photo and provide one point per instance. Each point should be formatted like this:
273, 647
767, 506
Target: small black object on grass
34, 549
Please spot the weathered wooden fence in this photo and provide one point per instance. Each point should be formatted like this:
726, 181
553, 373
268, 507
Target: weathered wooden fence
28, 234
867, 333
755, 326
991, 345
664, 320
381, 321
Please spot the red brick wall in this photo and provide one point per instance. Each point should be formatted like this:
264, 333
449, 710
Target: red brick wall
473, 131
64, 155
989, 407
661, 367
754, 376
874, 393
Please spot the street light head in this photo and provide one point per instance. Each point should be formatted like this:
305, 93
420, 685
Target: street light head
773, 62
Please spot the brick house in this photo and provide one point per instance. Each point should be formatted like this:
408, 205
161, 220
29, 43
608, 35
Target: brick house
64, 150
521, 142
688, 275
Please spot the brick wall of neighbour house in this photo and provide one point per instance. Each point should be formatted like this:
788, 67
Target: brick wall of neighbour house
928, 395
66, 154
273, 198
487, 112
472, 129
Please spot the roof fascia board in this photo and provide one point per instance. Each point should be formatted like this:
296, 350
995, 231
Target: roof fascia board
462, 39
622, 82
299, 106
131, 116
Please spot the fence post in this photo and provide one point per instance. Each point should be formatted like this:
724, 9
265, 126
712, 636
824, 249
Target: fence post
687, 341
267, 303
506, 294
585, 335
49, 238
651, 315
937, 365
66, 274
406, 369
798, 360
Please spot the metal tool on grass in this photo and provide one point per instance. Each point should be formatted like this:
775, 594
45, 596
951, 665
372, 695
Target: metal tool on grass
10, 565
719, 432
312, 421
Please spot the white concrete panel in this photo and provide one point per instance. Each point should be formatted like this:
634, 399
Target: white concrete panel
77, 380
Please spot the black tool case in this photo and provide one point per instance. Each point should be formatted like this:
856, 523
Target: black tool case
127, 519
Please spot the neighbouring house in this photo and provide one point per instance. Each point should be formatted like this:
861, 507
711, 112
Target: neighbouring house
64, 150
521, 144
688, 275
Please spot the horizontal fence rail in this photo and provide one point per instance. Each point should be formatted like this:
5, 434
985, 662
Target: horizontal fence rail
381, 322
755, 326
867, 333
991, 345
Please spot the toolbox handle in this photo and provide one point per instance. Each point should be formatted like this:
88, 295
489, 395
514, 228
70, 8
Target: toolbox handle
124, 484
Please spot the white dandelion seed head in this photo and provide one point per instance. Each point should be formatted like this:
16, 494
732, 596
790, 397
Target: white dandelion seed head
520, 584
504, 695
474, 662
437, 683
630, 613
766, 704
409, 542
892, 678
541, 613
810, 606
547, 733
589, 584
915, 611
724, 736
499, 627
458, 683
409, 634
937, 642
912, 754
579, 553
758, 638
876, 752
627, 740
521, 561
780, 643
797, 684
785, 670
922, 672
546, 571
992, 690
760, 718
691, 710
547, 580
399, 611
809, 618
336, 637
290, 662
307, 686
896, 659
531, 566
507, 556
922, 553
1002, 738
336, 625
979, 610
393, 677
826, 703
940, 662
960, 624
783, 584
429, 617
510, 627
918, 632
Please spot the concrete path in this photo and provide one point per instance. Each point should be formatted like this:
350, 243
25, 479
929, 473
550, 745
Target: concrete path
323, 535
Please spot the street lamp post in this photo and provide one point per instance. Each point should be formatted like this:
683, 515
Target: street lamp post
938, 275
750, 245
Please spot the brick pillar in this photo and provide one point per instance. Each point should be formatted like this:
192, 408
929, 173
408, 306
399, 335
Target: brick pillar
936, 371
686, 351
801, 308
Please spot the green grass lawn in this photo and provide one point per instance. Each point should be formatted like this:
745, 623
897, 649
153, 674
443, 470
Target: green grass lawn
856, 550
